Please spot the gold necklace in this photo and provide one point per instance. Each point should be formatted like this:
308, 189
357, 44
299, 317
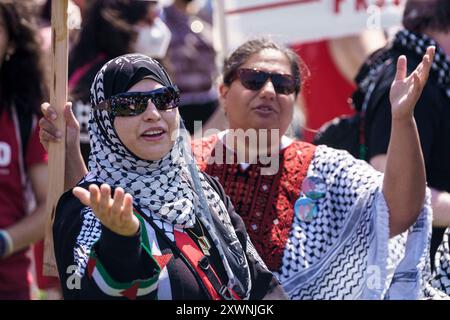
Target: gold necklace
205, 246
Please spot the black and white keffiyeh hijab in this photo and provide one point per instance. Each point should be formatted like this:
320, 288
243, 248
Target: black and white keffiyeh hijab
171, 191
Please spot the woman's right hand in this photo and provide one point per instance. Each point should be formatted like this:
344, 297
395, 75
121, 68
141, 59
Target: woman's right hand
116, 214
75, 167
49, 133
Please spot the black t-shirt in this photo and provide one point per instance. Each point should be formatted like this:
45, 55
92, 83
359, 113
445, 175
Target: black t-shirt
125, 261
432, 115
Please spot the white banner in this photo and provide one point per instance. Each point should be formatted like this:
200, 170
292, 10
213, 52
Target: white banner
294, 21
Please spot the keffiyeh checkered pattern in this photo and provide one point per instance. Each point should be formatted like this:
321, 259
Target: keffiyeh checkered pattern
163, 190
345, 252
89, 234
156, 186
441, 279
417, 45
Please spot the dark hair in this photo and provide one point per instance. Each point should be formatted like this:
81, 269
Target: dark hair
243, 53
46, 11
22, 77
107, 28
420, 15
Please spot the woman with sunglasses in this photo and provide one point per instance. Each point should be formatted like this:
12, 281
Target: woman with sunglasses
144, 223
329, 225
323, 220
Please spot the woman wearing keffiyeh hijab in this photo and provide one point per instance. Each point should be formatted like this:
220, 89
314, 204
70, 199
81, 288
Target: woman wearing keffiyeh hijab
144, 223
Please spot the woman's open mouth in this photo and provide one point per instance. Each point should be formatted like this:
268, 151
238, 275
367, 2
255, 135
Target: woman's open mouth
264, 110
153, 134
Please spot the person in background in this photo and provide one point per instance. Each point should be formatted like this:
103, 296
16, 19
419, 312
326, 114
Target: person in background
23, 161
74, 23
332, 65
425, 23
191, 60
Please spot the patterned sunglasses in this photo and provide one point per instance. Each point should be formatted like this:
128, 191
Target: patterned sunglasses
130, 104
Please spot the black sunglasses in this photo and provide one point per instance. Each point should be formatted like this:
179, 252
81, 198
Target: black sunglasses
254, 79
129, 104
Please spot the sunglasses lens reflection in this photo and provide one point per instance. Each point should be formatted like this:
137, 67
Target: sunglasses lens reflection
135, 103
252, 79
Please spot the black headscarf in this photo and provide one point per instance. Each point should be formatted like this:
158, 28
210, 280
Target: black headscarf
121, 73
161, 189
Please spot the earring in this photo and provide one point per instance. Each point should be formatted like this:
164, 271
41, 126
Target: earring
7, 57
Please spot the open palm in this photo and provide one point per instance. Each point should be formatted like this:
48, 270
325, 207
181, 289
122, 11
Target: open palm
406, 91
116, 214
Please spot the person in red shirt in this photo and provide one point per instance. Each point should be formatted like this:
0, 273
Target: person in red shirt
23, 161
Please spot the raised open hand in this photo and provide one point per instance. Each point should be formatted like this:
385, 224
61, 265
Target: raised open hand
116, 214
406, 91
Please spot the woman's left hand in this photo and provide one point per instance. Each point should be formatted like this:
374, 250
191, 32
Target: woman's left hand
406, 91
116, 214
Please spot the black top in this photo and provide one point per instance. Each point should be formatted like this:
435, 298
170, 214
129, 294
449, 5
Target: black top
125, 260
432, 115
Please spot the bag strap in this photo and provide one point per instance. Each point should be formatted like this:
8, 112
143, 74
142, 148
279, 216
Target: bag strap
203, 268
197, 261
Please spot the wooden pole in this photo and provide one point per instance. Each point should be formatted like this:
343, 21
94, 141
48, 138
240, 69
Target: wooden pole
56, 151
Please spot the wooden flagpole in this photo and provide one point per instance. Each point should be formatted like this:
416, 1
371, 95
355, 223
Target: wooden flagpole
56, 151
